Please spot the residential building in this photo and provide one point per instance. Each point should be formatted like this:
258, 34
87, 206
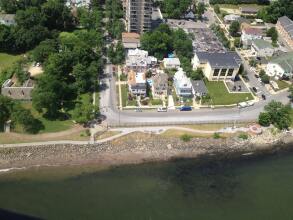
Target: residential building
199, 88
7, 19
138, 15
78, 3
171, 63
217, 66
231, 17
182, 83
280, 66
249, 34
131, 40
285, 29
262, 48
160, 85
137, 83
139, 60
23, 92
249, 11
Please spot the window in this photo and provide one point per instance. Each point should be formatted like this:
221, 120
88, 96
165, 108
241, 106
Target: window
216, 72
223, 72
230, 72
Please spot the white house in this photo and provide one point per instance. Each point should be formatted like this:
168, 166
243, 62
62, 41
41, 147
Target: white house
182, 83
137, 83
7, 19
281, 66
262, 48
249, 34
231, 17
139, 60
170, 63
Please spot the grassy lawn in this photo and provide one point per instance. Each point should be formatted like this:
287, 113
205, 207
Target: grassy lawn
156, 102
282, 84
292, 117
6, 60
220, 95
106, 134
50, 125
231, 6
125, 101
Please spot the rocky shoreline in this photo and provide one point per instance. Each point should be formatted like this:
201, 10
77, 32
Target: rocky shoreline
137, 148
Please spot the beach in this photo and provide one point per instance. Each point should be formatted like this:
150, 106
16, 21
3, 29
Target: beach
136, 148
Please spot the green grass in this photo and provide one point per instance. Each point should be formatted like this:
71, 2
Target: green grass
220, 95
291, 117
6, 60
156, 101
282, 84
231, 6
124, 91
49, 125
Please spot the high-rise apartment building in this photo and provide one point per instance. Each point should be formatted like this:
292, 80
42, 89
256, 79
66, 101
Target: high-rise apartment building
138, 15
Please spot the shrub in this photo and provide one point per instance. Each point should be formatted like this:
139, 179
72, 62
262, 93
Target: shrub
216, 135
243, 136
186, 137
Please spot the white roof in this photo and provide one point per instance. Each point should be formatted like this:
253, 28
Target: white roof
140, 77
172, 61
138, 53
231, 17
182, 79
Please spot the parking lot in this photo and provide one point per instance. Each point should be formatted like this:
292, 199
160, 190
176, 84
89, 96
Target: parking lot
237, 86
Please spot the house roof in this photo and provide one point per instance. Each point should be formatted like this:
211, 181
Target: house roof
160, 80
182, 80
248, 9
199, 86
130, 37
285, 61
172, 61
287, 24
7, 17
252, 31
220, 60
262, 44
136, 77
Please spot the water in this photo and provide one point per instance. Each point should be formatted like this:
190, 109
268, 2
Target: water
259, 188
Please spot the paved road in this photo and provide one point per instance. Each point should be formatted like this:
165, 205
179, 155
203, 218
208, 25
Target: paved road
108, 104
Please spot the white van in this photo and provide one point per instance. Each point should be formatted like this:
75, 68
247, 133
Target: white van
162, 109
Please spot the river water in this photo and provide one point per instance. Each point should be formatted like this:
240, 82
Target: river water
252, 188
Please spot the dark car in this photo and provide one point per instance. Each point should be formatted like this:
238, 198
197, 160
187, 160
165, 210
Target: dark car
185, 108
254, 89
256, 76
263, 97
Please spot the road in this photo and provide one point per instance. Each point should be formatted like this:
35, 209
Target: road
114, 117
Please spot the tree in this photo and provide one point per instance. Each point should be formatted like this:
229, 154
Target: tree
264, 119
116, 53
44, 50
6, 106
176, 8
234, 28
272, 32
25, 118
197, 74
217, 9
201, 8
6, 38
186, 65
29, 17
252, 62
278, 114
264, 77
57, 15
237, 42
84, 112
182, 44
49, 95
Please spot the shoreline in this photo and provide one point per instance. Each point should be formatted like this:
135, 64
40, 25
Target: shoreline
137, 148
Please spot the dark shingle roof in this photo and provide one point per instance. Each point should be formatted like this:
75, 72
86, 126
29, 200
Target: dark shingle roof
199, 86
287, 24
220, 60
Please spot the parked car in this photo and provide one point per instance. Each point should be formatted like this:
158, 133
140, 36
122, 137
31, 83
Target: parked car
256, 76
185, 108
254, 89
263, 97
162, 109
138, 110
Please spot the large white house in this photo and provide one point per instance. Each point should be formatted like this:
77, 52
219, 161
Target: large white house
281, 66
139, 60
182, 83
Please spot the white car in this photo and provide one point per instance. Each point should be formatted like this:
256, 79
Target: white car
162, 109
